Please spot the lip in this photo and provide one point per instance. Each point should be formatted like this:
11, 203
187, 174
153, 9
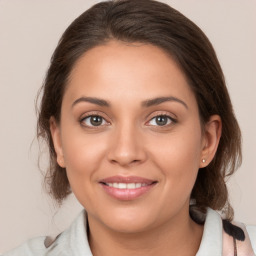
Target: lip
127, 179
127, 194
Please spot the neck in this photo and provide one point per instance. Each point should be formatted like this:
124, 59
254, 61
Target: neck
180, 236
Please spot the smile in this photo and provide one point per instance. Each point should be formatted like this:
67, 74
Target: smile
127, 188
126, 185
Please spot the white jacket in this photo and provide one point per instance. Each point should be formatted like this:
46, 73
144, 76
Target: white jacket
74, 242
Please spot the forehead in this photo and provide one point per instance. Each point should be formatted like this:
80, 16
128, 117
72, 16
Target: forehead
119, 69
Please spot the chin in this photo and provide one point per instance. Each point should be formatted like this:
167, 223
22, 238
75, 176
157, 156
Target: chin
129, 221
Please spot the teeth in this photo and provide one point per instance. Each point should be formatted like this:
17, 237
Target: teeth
122, 185
131, 185
126, 185
137, 185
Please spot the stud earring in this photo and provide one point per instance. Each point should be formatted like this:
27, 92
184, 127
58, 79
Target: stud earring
203, 160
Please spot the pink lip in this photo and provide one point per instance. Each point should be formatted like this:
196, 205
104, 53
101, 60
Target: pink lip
127, 194
126, 179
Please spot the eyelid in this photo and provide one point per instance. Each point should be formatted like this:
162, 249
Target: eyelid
162, 113
94, 113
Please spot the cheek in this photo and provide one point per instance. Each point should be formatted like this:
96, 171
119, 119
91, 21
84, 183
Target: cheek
178, 157
82, 155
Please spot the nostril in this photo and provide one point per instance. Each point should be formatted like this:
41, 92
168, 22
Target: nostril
124, 162
126, 154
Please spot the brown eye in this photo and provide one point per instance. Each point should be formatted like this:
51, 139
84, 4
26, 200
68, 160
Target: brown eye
161, 120
94, 121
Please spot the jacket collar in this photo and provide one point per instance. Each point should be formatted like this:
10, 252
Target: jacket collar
211, 243
74, 241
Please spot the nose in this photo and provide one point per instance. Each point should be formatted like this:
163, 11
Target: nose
126, 146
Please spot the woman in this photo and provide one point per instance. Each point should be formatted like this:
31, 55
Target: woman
140, 128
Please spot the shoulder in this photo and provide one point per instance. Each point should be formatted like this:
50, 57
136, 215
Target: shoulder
40, 246
252, 235
222, 237
34, 246
237, 240
72, 241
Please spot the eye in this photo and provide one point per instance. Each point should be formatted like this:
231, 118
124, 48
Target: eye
94, 120
161, 120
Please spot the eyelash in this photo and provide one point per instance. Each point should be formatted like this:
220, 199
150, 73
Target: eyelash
89, 116
171, 120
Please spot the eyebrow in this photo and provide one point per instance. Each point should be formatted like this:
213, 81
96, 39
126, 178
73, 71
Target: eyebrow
92, 100
159, 100
146, 103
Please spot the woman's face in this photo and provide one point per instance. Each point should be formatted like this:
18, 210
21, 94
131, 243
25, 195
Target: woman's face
129, 136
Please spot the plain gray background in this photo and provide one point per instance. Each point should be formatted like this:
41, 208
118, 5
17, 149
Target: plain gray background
29, 31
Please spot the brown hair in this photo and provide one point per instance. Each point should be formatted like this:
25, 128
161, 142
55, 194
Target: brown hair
156, 23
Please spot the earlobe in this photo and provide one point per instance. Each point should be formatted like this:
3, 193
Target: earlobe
212, 134
56, 138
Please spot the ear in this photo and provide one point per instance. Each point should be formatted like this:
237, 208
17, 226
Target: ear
211, 138
56, 138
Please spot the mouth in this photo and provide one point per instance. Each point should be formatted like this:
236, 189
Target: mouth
127, 188
126, 185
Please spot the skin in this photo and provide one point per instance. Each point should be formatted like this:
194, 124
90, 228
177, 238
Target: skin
130, 142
